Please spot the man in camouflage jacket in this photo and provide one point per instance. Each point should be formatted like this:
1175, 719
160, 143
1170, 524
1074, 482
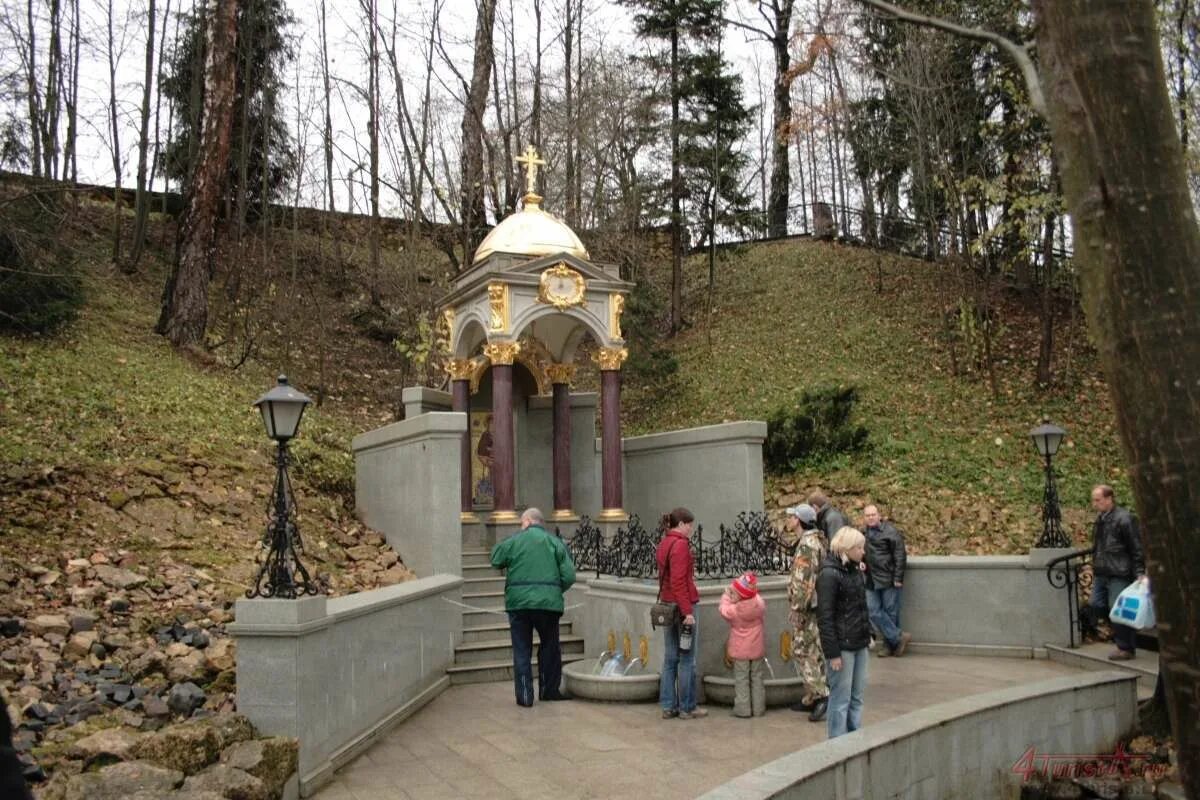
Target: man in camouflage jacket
802, 598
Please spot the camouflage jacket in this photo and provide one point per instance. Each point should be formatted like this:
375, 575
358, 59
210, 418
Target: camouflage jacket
806, 565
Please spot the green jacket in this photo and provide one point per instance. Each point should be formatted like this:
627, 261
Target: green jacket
538, 570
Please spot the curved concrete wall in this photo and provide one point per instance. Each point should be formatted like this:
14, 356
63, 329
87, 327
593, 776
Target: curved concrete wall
962, 748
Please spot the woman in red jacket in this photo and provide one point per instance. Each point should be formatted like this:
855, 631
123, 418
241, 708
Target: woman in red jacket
677, 581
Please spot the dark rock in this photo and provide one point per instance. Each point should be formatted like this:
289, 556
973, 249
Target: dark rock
31, 770
119, 605
10, 627
185, 697
200, 639
98, 650
155, 706
82, 622
38, 711
122, 693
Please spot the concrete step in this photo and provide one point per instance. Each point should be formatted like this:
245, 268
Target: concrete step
499, 649
481, 571
487, 632
494, 671
472, 584
1094, 657
477, 557
486, 600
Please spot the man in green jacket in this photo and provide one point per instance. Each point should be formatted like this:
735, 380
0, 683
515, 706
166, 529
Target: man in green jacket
538, 570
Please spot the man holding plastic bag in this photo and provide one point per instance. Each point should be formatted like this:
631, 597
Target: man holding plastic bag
1117, 562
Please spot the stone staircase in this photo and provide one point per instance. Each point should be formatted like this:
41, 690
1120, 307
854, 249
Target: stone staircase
485, 654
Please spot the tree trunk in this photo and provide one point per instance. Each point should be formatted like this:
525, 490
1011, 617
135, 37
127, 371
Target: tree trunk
33, 94
115, 131
327, 138
53, 97
70, 165
535, 122
1123, 175
1045, 373
569, 109
373, 122
185, 299
141, 203
676, 195
777, 204
473, 215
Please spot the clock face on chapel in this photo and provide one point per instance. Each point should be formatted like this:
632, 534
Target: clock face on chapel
561, 287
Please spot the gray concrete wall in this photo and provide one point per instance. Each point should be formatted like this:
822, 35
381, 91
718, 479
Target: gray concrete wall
407, 487
986, 605
422, 400
623, 606
337, 673
959, 749
715, 471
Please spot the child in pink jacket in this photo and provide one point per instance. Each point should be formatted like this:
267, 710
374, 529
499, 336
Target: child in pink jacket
745, 610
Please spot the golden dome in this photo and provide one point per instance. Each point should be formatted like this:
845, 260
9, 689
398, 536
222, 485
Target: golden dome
532, 232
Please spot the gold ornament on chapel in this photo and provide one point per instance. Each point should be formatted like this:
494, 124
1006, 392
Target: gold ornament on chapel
561, 287
460, 369
498, 302
502, 353
616, 307
560, 373
611, 358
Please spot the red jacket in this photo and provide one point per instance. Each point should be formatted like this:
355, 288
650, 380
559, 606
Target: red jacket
676, 572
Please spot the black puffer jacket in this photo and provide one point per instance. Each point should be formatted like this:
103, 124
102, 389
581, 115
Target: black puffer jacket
1117, 545
886, 557
830, 520
842, 607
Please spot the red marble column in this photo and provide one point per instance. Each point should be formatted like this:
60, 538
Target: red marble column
503, 445
562, 450
461, 401
610, 415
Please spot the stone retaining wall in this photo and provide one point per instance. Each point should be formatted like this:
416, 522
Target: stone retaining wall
965, 748
337, 673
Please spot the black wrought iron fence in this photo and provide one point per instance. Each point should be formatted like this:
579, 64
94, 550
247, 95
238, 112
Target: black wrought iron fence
1073, 573
751, 543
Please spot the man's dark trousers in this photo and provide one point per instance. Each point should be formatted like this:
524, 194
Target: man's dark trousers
522, 625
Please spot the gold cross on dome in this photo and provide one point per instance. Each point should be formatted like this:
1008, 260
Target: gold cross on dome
530, 160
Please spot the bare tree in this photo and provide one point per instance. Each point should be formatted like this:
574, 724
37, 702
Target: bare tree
141, 203
184, 314
472, 175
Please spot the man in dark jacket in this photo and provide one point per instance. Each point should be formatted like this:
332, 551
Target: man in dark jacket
1117, 561
885, 580
829, 519
538, 570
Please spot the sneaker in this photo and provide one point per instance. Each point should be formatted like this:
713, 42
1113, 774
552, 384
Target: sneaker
1121, 655
905, 638
695, 713
669, 713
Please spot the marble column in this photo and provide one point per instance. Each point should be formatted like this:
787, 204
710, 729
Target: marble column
560, 376
460, 392
612, 488
503, 442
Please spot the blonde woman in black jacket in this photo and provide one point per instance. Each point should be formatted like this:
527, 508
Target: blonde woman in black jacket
845, 629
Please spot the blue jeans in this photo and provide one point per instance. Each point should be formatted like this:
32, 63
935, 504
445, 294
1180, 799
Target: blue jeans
846, 687
883, 605
679, 664
1105, 590
521, 626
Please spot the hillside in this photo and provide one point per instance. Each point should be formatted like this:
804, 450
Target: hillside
951, 464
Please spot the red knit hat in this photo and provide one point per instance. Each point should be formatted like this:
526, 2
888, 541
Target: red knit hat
746, 585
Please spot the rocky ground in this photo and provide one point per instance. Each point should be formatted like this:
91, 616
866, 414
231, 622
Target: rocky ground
116, 620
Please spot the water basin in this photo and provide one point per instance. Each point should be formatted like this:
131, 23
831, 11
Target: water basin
583, 679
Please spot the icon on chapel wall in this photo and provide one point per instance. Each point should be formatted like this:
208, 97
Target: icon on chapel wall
482, 493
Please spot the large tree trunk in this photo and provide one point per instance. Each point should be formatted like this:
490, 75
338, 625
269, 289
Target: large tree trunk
1123, 175
777, 204
185, 298
141, 203
473, 215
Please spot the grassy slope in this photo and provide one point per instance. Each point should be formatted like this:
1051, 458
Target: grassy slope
112, 438
953, 467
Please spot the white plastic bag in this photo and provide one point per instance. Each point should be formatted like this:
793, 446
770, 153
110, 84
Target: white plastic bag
1134, 607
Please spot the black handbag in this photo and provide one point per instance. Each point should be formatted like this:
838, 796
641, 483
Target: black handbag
664, 615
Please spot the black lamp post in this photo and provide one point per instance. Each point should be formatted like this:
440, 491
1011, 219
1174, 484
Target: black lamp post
281, 574
1047, 438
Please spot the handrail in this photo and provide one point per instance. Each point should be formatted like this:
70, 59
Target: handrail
1063, 573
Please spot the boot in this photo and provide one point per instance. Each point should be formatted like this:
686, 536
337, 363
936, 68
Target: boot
818, 712
802, 706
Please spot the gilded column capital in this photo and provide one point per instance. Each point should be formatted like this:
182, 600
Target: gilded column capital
460, 369
502, 353
560, 373
611, 358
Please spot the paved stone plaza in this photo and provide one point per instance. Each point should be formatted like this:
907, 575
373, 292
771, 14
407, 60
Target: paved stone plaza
474, 742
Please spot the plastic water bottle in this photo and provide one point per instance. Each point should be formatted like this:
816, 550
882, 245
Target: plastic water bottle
685, 637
